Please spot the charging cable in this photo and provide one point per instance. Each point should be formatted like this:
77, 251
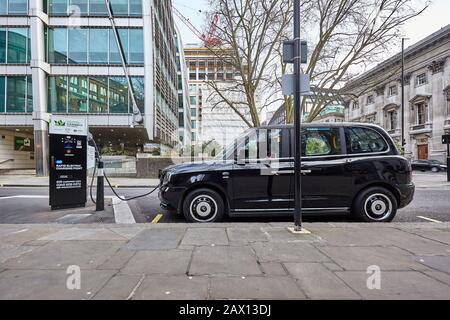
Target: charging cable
98, 158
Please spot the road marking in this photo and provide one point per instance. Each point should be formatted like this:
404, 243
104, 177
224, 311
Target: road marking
122, 212
429, 219
157, 218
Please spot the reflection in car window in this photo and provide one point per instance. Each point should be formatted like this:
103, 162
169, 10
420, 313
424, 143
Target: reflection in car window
321, 142
363, 140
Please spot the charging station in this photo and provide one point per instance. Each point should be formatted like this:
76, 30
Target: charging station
68, 162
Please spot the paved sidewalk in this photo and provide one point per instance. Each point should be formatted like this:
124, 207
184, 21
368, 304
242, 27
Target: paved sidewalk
225, 261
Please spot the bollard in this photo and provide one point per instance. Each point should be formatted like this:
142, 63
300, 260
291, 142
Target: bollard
100, 203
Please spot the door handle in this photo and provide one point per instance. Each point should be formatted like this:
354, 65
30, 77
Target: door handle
279, 173
304, 172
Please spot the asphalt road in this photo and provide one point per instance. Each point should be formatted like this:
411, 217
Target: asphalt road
33, 208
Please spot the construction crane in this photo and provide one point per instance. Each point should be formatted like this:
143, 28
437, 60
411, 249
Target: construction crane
209, 40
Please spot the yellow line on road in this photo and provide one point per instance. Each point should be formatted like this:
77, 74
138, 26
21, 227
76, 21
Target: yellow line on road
157, 218
429, 219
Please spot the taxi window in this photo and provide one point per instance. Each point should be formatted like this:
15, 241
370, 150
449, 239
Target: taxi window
364, 140
320, 142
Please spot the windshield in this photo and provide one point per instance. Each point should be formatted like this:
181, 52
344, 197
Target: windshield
228, 153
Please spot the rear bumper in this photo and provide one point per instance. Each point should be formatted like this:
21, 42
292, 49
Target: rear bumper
407, 192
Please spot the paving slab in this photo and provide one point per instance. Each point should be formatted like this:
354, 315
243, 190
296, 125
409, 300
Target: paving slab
436, 262
173, 262
49, 284
224, 260
173, 288
9, 251
156, 239
440, 276
284, 235
118, 260
263, 288
61, 254
273, 269
128, 232
205, 237
246, 235
319, 283
21, 234
288, 252
407, 285
360, 258
118, 287
436, 235
83, 234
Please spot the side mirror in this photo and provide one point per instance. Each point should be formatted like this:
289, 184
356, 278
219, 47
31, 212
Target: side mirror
239, 156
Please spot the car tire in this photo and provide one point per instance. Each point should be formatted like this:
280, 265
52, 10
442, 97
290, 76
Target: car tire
203, 206
375, 204
434, 169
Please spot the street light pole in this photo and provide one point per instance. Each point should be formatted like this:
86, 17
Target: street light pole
403, 95
297, 118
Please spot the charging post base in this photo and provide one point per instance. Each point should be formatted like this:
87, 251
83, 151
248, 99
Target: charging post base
100, 201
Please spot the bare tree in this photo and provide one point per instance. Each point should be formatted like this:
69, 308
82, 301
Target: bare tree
348, 37
250, 33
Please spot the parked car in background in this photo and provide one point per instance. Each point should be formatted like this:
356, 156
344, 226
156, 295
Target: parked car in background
428, 165
347, 169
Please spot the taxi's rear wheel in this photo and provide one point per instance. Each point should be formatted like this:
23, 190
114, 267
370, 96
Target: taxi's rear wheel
375, 204
203, 206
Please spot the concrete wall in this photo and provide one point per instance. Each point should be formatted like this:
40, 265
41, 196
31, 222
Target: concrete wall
22, 159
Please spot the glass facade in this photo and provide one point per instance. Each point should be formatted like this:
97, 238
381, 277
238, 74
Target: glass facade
94, 95
16, 94
13, 7
93, 46
15, 45
93, 7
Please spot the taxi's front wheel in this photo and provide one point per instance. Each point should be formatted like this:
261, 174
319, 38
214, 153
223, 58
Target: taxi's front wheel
203, 206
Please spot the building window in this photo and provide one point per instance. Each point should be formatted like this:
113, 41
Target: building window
94, 7
422, 113
78, 94
15, 45
393, 91
70, 46
370, 99
421, 79
355, 105
98, 95
193, 112
391, 120
14, 7
16, 94
98, 44
118, 95
78, 48
95, 95
193, 100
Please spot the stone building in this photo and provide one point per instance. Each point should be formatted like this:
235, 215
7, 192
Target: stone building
375, 96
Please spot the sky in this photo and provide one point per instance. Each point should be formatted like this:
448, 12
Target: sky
434, 18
